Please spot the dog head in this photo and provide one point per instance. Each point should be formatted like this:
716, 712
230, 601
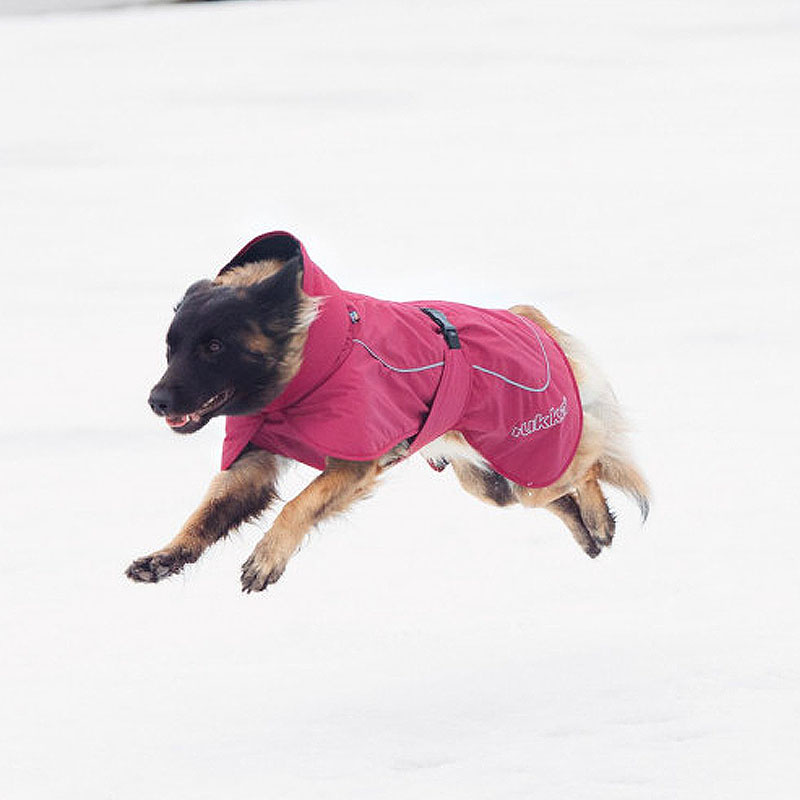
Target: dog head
234, 343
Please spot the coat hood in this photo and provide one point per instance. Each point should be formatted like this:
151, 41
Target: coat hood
328, 334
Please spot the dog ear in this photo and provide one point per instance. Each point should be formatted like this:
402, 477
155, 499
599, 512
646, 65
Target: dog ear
196, 287
281, 291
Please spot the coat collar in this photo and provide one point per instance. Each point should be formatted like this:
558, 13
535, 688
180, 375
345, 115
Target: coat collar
329, 333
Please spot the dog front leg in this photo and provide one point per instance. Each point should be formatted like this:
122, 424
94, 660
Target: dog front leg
336, 488
239, 493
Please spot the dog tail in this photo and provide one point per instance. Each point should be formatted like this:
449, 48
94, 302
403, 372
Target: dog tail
620, 471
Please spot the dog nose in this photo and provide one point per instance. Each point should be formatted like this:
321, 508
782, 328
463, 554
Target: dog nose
160, 400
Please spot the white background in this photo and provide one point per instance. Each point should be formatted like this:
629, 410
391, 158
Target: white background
632, 168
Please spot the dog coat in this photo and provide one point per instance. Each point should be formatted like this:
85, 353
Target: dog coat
375, 373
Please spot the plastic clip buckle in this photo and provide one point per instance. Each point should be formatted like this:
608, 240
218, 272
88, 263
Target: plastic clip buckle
446, 328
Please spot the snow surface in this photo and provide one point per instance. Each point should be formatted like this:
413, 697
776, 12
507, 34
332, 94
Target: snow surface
630, 167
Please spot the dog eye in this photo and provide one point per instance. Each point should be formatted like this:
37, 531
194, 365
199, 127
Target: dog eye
214, 346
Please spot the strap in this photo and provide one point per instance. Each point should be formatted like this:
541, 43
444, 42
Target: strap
446, 328
449, 400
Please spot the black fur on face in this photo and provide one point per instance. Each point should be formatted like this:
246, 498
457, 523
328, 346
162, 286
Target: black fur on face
226, 348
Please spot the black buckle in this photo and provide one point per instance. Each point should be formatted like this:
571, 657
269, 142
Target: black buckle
446, 328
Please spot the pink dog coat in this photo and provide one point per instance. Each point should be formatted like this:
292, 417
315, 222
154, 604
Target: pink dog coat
376, 373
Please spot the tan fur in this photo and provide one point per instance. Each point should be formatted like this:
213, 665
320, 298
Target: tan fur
616, 471
333, 491
249, 274
256, 341
293, 357
485, 484
469, 476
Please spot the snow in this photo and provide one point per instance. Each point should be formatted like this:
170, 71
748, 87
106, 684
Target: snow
631, 168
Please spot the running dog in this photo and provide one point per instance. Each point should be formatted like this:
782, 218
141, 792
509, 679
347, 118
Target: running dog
349, 384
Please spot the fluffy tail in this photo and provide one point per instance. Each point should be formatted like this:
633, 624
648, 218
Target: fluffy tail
624, 475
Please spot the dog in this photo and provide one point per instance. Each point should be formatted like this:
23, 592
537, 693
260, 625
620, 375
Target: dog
352, 385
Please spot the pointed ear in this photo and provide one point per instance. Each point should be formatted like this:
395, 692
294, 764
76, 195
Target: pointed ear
196, 287
281, 291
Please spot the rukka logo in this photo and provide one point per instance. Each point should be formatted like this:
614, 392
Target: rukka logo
554, 417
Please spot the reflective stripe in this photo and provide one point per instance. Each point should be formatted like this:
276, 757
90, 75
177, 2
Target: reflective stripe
514, 383
474, 366
396, 369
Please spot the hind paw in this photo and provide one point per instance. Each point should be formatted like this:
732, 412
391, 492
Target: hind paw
156, 567
595, 538
602, 530
589, 545
603, 536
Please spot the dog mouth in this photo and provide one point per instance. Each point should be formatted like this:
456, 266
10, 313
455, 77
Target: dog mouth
194, 419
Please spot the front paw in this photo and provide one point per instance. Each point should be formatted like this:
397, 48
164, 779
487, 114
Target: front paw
261, 569
157, 566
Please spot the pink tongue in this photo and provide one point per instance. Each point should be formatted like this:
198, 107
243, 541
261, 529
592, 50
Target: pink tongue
177, 422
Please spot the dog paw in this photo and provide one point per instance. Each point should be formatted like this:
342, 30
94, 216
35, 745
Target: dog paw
604, 532
591, 548
260, 570
585, 540
156, 567
600, 527
603, 536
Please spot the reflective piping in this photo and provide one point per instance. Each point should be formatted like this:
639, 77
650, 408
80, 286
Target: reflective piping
508, 380
474, 366
396, 369
514, 383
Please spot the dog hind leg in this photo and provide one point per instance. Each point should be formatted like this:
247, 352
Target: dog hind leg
595, 512
484, 483
567, 510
